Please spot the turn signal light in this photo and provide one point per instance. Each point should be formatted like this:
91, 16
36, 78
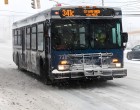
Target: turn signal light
63, 62
115, 60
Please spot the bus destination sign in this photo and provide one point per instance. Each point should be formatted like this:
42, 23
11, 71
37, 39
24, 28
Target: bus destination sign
92, 12
86, 12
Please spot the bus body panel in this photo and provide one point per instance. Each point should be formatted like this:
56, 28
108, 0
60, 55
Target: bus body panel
88, 71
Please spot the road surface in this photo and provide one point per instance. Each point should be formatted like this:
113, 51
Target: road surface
21, 91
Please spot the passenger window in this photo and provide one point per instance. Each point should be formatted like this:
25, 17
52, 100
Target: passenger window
15, 37
28, 38
33, 38
40, 36
40, 41
19, 37
33, 41
40, 28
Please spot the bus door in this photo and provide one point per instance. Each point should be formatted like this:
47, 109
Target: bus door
47, 47
28, 48
33, 48
23, 47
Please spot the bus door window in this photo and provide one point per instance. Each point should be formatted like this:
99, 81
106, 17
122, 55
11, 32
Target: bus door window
33, 38
33, 47
28, 38
28, 47
40, 37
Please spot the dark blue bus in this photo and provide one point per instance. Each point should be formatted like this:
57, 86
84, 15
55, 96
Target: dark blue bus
71, 42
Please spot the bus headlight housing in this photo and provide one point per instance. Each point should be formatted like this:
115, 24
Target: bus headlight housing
63, 65
116, 63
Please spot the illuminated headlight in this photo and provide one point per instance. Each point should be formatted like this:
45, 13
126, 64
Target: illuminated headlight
118, 65
63, 67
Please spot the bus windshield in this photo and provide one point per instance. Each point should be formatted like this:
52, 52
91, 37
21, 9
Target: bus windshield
86, 34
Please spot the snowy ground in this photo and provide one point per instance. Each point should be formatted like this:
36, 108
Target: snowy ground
21, 91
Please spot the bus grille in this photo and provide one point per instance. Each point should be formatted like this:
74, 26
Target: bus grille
90, 61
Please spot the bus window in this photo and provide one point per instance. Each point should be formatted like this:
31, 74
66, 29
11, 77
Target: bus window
19, 37
40, 37
15, 37
69, 35
28, 38
105, 34
33, 38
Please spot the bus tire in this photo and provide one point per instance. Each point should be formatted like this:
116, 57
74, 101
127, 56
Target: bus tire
46, 80
17, 61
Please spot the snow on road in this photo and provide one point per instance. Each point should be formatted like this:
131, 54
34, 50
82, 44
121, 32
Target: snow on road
21, 91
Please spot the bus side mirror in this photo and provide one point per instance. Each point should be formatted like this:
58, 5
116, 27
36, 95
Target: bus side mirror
124, 37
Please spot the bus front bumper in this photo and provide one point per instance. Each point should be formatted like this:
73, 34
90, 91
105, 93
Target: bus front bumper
97, 73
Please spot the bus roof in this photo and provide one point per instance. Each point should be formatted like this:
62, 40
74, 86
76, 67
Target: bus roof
47, 14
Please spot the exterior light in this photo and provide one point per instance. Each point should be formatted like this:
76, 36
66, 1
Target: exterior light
63, 65
115, 60
6, 2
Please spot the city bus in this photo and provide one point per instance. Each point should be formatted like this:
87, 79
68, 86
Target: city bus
71, 43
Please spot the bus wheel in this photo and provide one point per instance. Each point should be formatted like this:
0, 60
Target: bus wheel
17, 61
47, 81
43, 74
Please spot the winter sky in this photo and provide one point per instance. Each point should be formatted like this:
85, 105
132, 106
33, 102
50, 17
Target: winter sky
19, 9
